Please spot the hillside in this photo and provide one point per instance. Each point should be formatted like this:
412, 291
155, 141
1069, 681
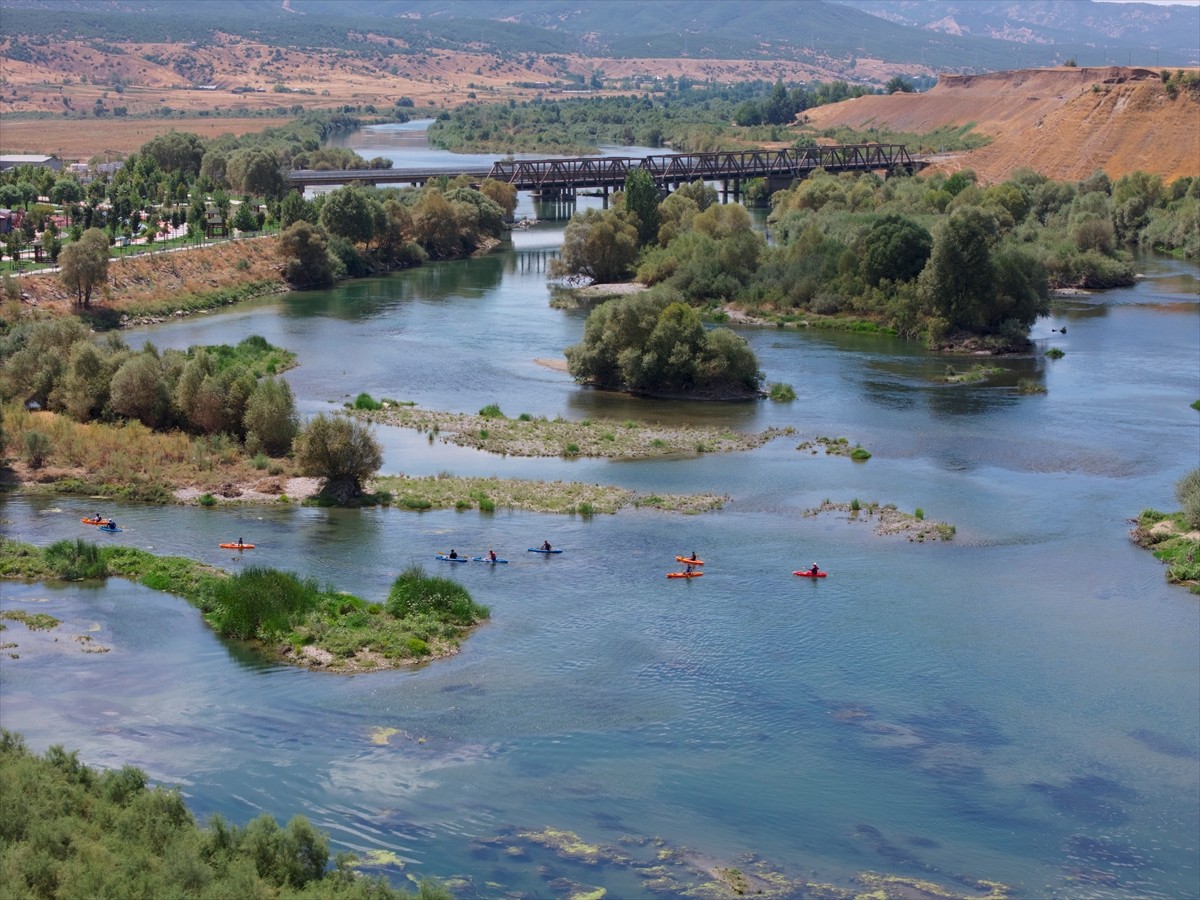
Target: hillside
1065, 123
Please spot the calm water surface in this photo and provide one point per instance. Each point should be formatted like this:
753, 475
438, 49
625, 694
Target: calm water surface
1021, 705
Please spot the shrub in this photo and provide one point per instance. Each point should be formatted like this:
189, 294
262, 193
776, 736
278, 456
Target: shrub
782, 393
855, 506
1029, 386
1187, 492
366, 401
919, 514
487, 504
526, 417
586, 509
860, 453
259, 461
415, 503
1055, 353
207, 499
491, 411
571, 450
37, 449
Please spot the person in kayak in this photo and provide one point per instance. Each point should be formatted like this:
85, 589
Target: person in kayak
694, 556
492, 555
815, 569
453, 554
546, 546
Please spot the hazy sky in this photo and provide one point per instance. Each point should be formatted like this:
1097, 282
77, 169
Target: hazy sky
1157, 2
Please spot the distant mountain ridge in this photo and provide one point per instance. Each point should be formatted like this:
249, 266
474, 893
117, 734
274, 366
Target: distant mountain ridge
977, 35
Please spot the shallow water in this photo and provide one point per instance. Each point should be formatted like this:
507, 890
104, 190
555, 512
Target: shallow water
1021, 705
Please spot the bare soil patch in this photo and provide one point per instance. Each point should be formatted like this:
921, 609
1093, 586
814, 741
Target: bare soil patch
1065, 123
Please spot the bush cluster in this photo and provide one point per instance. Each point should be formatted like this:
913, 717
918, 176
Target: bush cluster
68, 830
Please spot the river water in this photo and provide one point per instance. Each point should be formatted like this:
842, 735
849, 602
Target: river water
1020, 705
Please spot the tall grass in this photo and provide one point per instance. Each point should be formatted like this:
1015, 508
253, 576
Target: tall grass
75, 560
261, 603
415, 594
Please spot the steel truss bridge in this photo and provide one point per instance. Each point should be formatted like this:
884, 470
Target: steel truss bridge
554, 177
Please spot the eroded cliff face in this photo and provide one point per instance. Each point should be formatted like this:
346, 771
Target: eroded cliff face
1065, 123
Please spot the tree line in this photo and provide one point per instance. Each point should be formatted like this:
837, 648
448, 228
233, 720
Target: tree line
932, 257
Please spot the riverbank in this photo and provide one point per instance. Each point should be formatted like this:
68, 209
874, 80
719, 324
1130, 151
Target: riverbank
1173, 543
99, 461
153, 287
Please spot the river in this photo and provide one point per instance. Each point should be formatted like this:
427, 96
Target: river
1020, 705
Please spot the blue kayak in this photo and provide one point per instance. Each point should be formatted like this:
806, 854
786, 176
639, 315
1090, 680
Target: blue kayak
446, 558
486, 560
110, 528
540, 550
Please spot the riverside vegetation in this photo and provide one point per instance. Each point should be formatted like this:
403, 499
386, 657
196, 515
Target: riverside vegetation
69, 830
1174, 537
286, 616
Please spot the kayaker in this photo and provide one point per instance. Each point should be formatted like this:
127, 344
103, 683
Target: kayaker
453, 554
240, 544
492, 555
694, 555
814, 569
546, 546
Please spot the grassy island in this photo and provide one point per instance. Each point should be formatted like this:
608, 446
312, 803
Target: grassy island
288, 617
889, 520
526, 435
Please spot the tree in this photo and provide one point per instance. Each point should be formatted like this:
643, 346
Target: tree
270, 421
349, 213
601, 245
176, 151
256, 171
641, 199
501, 193
306, 254
1187, 492
898, 84
295, 208
959, 278
85, 265
655, 345
894, 248
139, 391
244, 219
341, 450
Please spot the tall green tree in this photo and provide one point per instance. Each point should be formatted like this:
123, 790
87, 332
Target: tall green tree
601, 245
641, 199
84, 265
342, 451
307, 261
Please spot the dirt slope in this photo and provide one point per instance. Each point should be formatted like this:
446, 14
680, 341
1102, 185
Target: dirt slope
1065, 123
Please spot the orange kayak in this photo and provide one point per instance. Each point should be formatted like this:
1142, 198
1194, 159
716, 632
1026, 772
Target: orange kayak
690, 562
237, 546
684, 574
95, 521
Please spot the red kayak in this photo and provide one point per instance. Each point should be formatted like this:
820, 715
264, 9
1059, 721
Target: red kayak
808, 573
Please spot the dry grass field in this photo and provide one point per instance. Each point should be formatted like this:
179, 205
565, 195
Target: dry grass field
75, 76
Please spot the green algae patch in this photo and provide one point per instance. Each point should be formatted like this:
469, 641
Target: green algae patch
588, 893
32, 621
892, 887
604, 438
380, 859
567, 844
381, 735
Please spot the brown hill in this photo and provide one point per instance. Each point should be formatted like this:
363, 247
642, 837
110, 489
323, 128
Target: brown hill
1065, 123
